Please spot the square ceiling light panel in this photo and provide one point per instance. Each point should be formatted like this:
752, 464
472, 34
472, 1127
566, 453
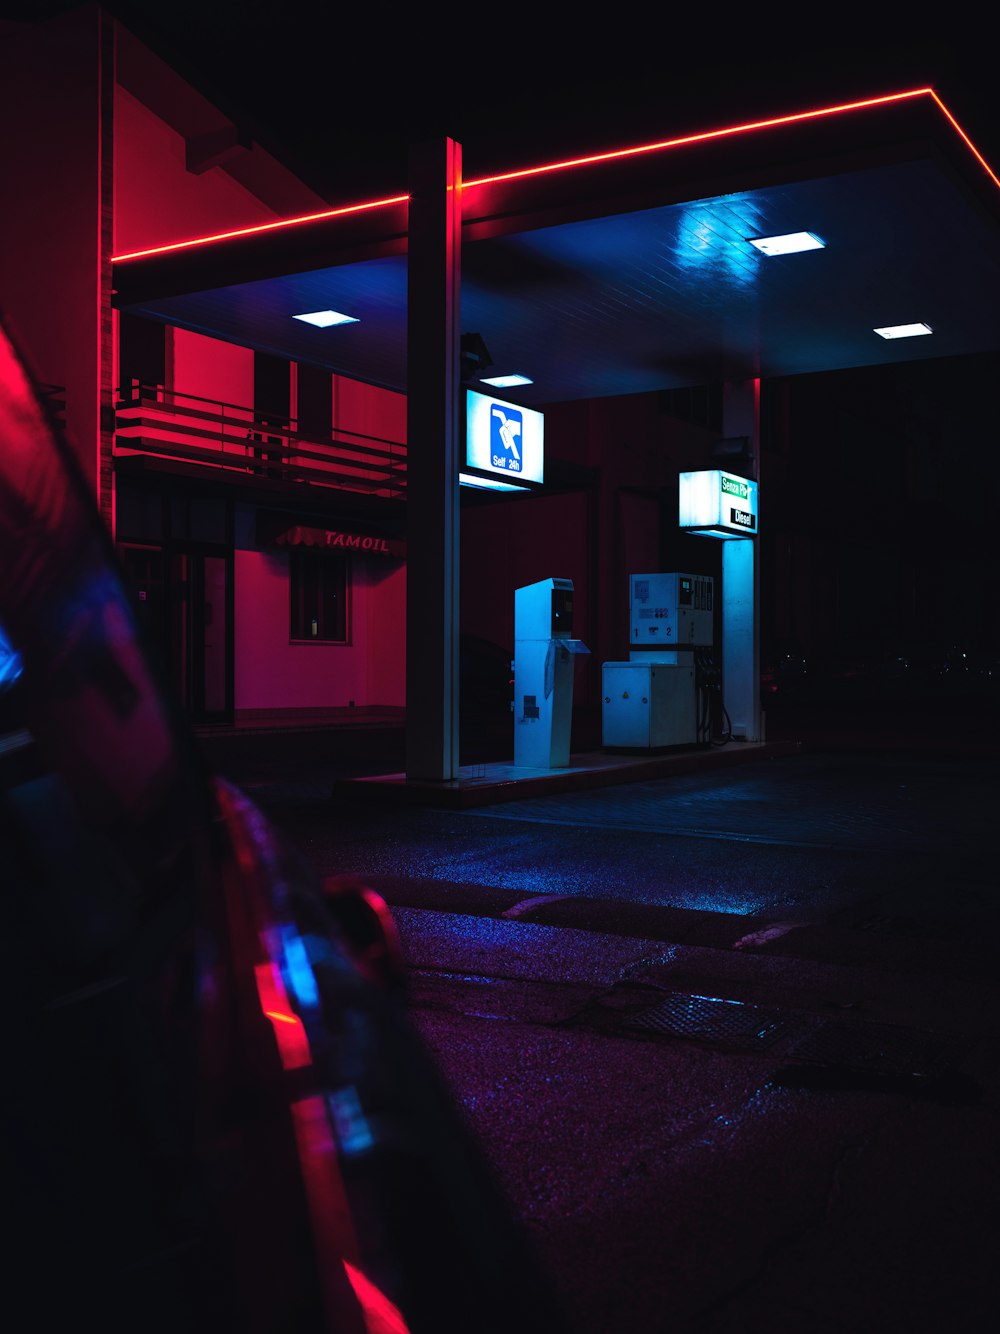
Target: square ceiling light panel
789, 244
323, 319
505, 381
904, 330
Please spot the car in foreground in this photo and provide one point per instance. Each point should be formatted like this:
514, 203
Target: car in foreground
218, 1115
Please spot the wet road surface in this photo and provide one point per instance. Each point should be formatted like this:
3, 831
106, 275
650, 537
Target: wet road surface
730, 1039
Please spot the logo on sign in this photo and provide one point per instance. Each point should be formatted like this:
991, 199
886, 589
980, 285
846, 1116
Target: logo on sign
742, 519
505, 435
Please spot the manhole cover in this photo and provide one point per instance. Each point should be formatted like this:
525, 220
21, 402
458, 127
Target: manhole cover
876, 1049
709, 1019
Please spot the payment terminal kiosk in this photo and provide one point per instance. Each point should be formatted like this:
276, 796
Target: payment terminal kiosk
544, 659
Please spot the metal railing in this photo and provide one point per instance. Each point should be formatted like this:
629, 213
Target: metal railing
153, 421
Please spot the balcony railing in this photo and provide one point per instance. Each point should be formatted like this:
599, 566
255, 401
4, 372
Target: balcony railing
158, 422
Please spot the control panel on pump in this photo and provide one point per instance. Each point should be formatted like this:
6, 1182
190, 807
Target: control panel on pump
670, 611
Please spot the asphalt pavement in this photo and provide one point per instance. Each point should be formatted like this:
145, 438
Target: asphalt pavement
728, 1034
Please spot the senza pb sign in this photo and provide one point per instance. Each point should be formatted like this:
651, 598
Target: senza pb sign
503, 438
718, 504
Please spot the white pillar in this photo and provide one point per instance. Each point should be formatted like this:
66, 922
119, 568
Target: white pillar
741, 581
740, 638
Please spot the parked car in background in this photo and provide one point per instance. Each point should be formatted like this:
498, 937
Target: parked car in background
785, 675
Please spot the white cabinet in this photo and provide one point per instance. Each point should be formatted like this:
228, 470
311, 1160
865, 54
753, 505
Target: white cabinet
647, 705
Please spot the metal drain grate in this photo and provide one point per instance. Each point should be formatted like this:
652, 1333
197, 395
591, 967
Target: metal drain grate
710, 1019
877, 1049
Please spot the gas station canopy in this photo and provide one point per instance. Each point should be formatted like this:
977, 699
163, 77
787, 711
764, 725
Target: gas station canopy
635, 271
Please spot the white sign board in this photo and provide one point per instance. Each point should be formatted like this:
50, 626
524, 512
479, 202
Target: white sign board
717, 504
503, 438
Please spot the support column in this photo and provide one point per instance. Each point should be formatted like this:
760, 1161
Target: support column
741, 581
432, 427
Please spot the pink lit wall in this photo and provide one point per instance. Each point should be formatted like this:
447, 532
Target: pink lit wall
271, 673
157, 200
380, 624
368, 410
208, 368
50, 165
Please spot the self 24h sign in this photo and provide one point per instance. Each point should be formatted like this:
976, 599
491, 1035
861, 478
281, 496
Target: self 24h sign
503, 438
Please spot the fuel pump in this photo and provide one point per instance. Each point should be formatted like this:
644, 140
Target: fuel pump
544, 660
660, 697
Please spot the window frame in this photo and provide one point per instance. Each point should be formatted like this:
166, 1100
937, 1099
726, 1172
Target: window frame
300, 560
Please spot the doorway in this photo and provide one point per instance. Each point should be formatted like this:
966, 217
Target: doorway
184, 603
201, 639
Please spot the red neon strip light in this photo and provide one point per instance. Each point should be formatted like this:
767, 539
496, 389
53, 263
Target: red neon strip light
743, 129
968, 142
706, 135
588, 161
260, 227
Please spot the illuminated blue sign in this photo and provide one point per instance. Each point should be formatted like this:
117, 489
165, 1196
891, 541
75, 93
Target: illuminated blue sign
503, 438
505, 431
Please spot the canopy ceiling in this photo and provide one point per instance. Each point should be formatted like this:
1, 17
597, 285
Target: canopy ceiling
634, 272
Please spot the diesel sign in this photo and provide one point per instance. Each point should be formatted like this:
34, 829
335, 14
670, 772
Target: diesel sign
743, 519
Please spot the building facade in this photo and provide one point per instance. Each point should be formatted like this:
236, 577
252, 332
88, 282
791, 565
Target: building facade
257, 504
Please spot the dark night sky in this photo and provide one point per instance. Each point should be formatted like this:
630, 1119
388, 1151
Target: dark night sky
515, 83
341, 90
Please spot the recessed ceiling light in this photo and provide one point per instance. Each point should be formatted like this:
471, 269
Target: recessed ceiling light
904, 330
505, 381
324, 318
790, 244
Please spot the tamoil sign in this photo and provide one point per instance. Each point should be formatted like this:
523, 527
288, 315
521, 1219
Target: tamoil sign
503, 438
717, 504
